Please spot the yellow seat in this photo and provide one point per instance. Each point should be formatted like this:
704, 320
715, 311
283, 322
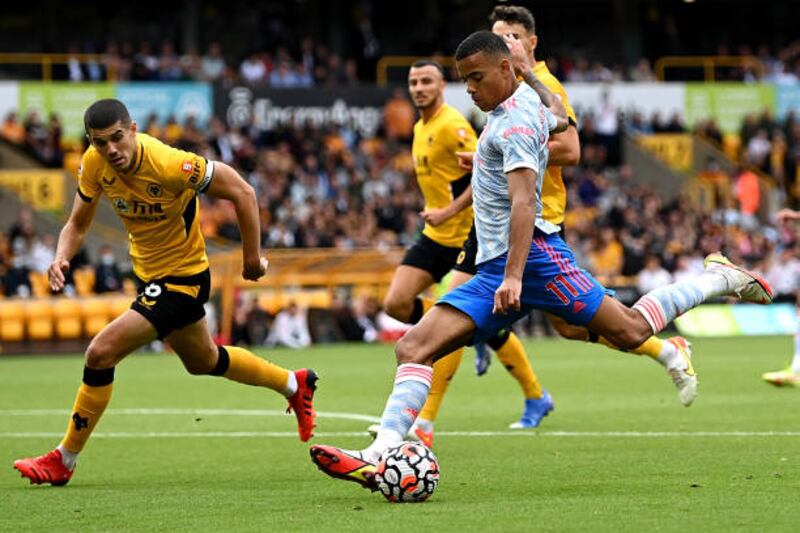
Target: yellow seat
95, 313
84, 281
67, 313
120, 304
40, 287
12, 320
39, 319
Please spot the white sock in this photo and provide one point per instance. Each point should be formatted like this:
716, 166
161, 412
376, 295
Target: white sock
67, 457
670, 357
386, 439
291, 385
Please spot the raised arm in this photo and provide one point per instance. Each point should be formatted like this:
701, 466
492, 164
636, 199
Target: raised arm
522, 67
227, 184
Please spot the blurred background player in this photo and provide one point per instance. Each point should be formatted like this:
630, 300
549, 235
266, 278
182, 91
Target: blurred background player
789, 376
154, 189
523, 262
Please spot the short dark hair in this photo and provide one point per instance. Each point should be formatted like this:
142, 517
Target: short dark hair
514, 15
429, 63
105, 113
482, 41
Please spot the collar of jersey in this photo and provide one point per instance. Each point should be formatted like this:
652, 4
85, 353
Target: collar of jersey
499, 109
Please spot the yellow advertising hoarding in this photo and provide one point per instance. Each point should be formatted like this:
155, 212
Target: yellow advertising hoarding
674, 149
42, 189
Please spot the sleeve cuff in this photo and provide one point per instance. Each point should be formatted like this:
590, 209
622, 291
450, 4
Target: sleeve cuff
206, 181
87, 199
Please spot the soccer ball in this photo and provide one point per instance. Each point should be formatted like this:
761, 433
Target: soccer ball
407, 473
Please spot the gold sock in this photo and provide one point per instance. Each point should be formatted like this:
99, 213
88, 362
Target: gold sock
90, 403
512, 355
245, 367
651, 347
443, 371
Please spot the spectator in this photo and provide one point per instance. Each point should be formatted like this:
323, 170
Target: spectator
253, 69
653, 275
399, 116
107, 275
12, 131
290, 328
748, 194
213, 64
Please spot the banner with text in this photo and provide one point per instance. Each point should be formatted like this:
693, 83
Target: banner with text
183, 100
728, 103
674, 149
42, 189
734, 320
65, 99
788, 97
357, 108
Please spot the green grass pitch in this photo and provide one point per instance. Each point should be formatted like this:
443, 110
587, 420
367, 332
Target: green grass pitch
619, 453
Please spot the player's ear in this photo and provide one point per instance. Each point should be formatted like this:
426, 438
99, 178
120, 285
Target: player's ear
534, 40
133, 127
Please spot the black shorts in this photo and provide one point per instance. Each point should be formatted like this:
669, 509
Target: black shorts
172, 302
432, 257
466, 258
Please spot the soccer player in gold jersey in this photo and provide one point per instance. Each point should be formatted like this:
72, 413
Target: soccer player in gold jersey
154, 189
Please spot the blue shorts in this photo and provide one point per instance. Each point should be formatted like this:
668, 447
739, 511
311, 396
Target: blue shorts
551, 282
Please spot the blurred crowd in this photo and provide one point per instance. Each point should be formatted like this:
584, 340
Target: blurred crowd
310, 64
39, 139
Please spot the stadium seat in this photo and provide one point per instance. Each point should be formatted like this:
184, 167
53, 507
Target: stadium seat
12, 320
95, 312
84, 281
39, 319
40, 287
67, 313
120, 304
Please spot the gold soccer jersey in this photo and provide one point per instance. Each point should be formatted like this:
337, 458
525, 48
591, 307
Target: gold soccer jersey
157, 201
554, 194
438, 174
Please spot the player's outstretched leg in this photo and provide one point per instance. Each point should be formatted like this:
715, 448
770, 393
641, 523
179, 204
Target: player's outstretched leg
441, 331
242, 366
200, 356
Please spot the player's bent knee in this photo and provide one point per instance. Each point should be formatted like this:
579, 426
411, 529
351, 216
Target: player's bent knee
408, 350
397, 309
101, 355
201, 366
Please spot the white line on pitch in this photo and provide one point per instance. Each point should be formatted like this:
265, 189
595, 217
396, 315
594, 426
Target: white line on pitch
192, 412
282, 434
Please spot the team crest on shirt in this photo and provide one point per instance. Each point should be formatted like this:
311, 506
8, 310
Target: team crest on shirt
187, 166
120, 204
155, 190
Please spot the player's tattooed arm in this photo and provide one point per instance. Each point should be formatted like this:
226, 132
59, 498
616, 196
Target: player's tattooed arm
522, 67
